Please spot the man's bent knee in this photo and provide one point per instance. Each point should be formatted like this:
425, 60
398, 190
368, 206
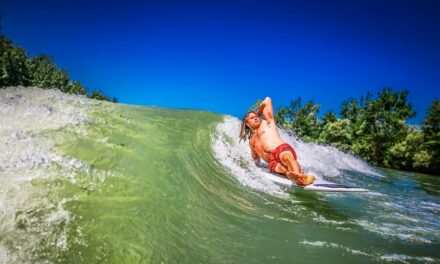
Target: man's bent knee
285, 156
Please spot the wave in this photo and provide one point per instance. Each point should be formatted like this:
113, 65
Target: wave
90, 181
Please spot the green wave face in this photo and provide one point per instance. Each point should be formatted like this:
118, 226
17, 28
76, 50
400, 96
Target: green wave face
84, 181
154, 207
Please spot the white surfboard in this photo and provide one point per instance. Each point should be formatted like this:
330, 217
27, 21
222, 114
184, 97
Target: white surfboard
317, 185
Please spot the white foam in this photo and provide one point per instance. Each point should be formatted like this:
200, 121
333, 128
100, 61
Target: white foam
314, 243
25, 113
325, 160
39, 109
322, 219
3, 255
334, 245
406, 259
402, 232
28, 116
430, 206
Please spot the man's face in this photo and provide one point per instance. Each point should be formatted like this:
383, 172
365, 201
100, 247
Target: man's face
253, 121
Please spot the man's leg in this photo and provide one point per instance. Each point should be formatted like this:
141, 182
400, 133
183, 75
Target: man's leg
294, 170
279, 168
289, 161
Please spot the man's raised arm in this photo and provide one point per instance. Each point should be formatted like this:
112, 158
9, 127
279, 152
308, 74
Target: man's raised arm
266, 109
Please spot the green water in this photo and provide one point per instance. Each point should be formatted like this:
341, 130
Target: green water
150, 189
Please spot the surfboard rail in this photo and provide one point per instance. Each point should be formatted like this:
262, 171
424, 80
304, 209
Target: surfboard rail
319, 185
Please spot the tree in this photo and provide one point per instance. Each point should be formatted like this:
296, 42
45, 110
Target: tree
402, 155
302, 120
431, 133
431, 124
45, 74
329, 117
350, 109
285, 115
13, 68
383, 122
338, 134
76, 88
99, 95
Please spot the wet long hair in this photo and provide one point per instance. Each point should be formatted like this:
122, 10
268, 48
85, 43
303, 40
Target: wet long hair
245, 131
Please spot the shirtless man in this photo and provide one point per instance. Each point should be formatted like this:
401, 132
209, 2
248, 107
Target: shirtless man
265, 142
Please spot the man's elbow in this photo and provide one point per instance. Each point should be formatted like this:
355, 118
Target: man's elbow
268, 100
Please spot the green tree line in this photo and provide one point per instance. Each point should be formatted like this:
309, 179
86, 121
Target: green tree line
17, 68
374, 129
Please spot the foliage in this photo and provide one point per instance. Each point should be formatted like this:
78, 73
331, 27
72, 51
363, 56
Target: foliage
328, 117
45, 74
431, 124
375, 129
16, 68
337, 133
76, 88
98, 95
401, 155
385, 120
13, 68
431, 131
303, 120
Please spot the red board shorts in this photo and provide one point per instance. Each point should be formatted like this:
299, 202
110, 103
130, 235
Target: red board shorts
274, 157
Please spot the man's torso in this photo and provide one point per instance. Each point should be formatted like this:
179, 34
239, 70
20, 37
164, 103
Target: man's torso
266, 139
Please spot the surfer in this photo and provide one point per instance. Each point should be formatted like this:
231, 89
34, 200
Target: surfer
265, 143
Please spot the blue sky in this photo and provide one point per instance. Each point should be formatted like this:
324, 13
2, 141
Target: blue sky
223, 55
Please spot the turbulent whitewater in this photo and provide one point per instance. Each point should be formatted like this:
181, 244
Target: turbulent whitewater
86, 181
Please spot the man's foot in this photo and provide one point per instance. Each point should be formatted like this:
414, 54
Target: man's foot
301, 179
307, 179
